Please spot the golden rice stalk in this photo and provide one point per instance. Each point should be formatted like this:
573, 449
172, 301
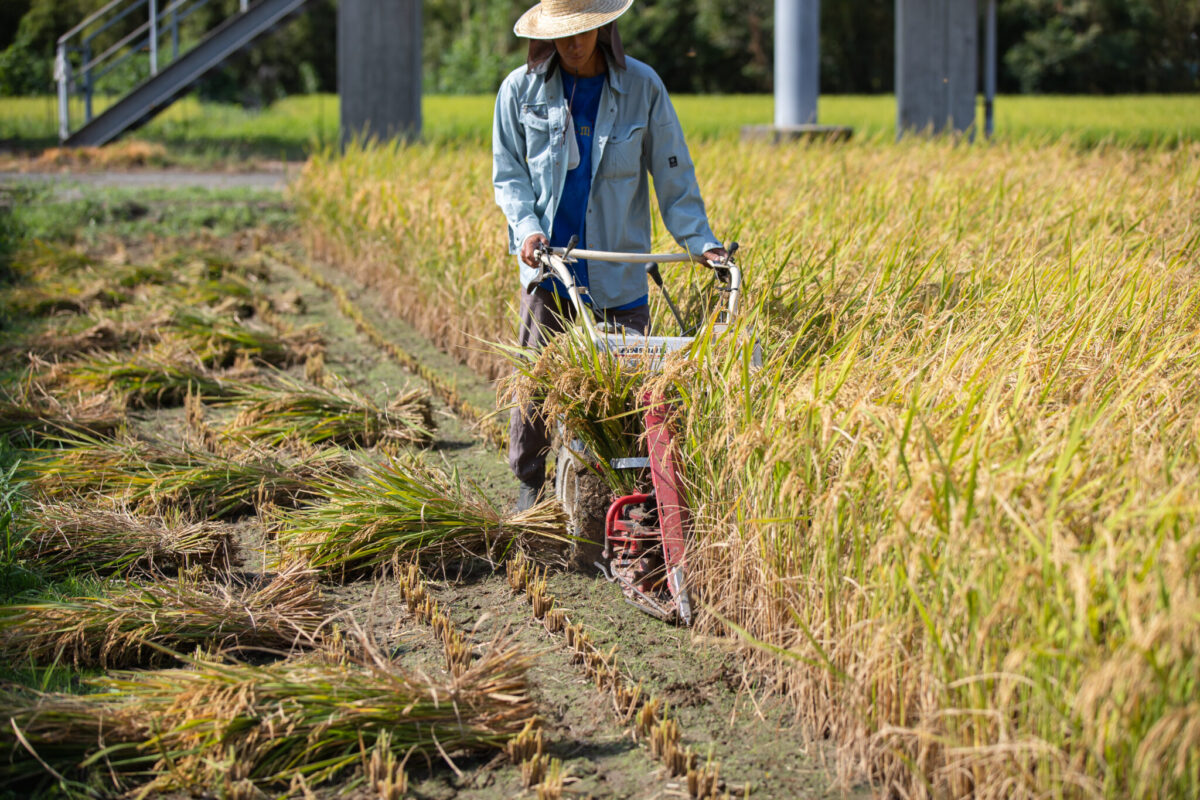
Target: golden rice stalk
219, 339
264, 724
80, 536
289, 411
599, 399
406, 508
105, 335
158, 476
42, 418
55, 297
149, 379
127, 625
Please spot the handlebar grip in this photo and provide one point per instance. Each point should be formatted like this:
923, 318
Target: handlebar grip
655, 275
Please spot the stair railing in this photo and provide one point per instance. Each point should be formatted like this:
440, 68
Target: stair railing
76, 46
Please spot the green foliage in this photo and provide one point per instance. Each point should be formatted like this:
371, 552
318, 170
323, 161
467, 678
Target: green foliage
469, 46
696, 45
92, 213
11, 231
1104, 45
15, 575
24, 71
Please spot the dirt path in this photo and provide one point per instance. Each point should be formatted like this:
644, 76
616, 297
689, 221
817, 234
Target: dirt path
153, 179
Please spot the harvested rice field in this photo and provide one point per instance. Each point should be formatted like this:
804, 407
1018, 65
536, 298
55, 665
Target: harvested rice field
259, 542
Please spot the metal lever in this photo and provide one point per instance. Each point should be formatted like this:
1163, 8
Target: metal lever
656, 276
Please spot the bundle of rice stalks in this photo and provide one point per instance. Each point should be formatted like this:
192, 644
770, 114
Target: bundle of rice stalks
597, 398
105, 335
133, 153
157, 477
130, 623
289, 410
219, 340
60, 732
215, 724
149, 379
56, 297
407, 508
40, 418
222, 296
63, 538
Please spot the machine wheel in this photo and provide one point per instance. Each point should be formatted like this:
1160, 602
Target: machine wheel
585, 499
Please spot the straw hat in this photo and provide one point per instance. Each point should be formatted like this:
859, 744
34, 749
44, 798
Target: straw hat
554, 19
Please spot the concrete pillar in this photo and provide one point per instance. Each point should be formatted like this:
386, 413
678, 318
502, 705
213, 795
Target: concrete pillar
797, 77
937, 45
797, 61
379, 68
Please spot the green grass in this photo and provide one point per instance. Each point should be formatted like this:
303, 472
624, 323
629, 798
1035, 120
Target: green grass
88, 214
290, 128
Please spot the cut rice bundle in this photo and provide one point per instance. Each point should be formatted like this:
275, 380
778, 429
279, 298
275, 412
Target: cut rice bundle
288, 410
69, 537
214, 725
160, 477
407, 508
130, 623
41, 419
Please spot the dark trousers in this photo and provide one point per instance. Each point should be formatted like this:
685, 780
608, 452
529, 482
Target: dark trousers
544, 314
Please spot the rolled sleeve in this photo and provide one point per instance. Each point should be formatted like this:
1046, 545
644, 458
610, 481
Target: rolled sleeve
510, 176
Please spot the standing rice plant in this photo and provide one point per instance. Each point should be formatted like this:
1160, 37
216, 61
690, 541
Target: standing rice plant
218, 724
69, 537
130, 624
954, 512
407, 508
287, 410
160, 477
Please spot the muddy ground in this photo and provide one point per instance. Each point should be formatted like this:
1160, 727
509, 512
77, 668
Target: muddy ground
722, 710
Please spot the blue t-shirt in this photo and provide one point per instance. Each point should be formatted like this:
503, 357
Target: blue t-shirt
571, 217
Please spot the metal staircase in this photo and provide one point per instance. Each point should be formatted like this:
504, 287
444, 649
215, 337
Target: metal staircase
78, 72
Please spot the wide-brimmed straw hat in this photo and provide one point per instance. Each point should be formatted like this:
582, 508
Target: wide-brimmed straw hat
554, 19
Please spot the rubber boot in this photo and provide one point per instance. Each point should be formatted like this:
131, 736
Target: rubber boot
530, 495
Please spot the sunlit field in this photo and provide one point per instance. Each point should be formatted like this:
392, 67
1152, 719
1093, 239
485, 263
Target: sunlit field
297, 125
955, 513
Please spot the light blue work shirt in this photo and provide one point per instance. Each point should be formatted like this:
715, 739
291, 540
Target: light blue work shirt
637, 135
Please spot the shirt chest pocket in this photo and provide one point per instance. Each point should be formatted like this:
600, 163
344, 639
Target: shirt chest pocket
623, 152
540, 133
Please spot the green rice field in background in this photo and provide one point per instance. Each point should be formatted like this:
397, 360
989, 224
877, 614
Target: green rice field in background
295, 126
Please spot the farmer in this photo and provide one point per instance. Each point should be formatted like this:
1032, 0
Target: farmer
576, 131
